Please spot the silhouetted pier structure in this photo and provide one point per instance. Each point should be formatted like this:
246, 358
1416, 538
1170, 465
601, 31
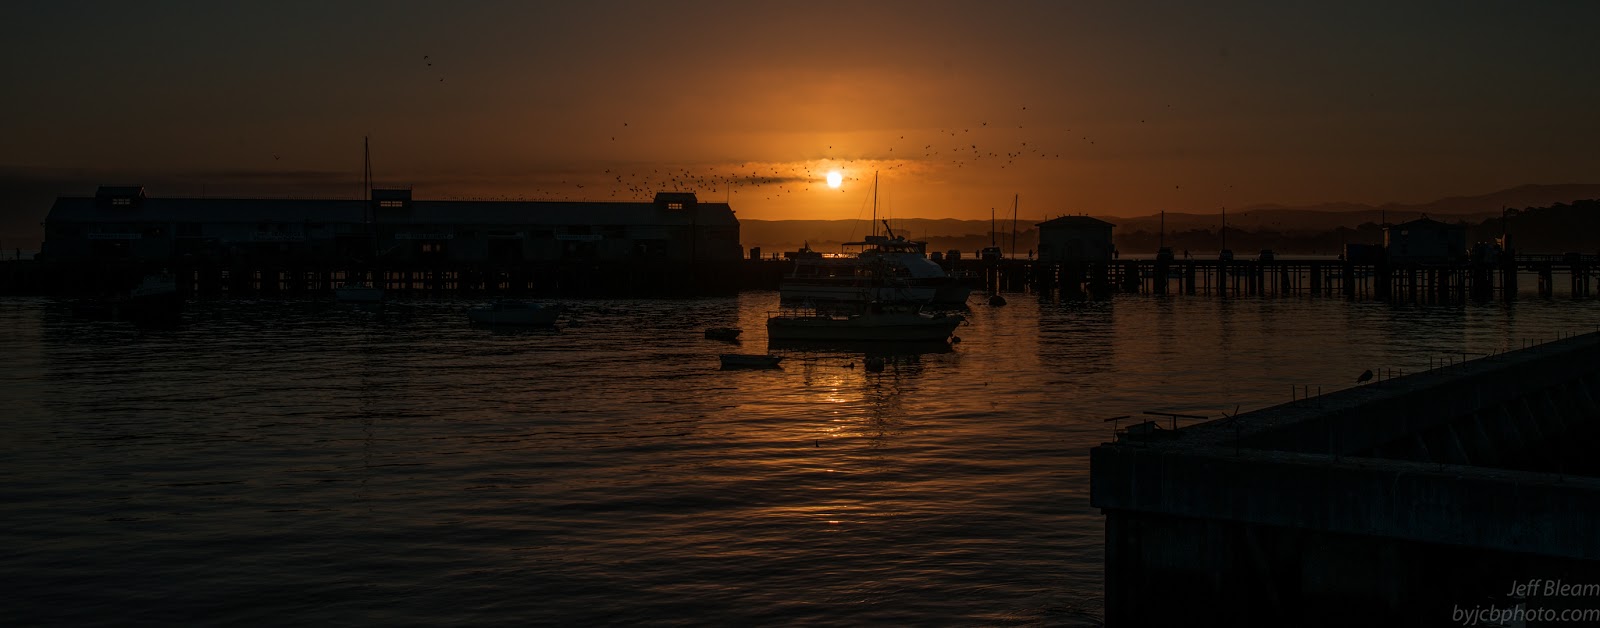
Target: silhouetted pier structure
1291, 276
1568, 275
1399, 500
556, 278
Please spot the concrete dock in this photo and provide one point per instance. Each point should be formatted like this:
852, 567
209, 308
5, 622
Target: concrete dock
1401, 501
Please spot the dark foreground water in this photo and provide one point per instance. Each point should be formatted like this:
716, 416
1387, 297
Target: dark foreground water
271, 462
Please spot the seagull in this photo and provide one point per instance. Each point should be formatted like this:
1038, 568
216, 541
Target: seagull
1365, 376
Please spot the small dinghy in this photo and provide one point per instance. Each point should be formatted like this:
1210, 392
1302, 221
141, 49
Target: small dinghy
723, 333
747, 361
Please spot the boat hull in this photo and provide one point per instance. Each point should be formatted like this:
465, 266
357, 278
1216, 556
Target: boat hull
952, 294
741, 361
863, 328
792, 290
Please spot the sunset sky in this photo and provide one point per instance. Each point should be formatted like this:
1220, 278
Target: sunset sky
1105, 108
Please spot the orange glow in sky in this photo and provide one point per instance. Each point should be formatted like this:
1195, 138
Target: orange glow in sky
1100, 109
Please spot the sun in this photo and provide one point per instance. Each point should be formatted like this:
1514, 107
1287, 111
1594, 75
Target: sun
835, 179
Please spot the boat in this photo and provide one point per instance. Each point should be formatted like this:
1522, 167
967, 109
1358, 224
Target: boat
856, 275
848, 279
506, 312
357, 292
156, 291
723, 333
873, 322
154, 298
749, 361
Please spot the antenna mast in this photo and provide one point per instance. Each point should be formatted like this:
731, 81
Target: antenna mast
366, 176
1014, 199
874, 203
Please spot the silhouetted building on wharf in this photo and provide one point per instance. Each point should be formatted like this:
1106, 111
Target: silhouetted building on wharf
674, 245
1425, 241
122, 223
1069, 239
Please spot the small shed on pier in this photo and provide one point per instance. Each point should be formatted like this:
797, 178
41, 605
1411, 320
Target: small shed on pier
1075, 239
1425, 240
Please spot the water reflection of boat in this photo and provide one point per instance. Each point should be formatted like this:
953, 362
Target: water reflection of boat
749, 361
868, 348
505, 312
154, 298
358, 292
872, 322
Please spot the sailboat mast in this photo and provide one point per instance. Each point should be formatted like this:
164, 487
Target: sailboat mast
874, 203
1224, 228
1161, 243
1014, 200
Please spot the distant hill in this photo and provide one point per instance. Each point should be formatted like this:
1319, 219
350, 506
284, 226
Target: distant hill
1321, 228
1324, 216
1522, 196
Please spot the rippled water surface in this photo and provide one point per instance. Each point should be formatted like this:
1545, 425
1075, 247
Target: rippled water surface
271, 462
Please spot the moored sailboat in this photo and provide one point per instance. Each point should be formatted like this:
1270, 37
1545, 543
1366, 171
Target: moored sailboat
357, 290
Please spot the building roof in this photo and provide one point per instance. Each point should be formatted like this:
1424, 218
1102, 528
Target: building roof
1425, 223
258, 210
1074, 221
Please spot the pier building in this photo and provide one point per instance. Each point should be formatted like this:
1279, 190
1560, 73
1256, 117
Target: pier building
1075, 239
1425, 240
123, 223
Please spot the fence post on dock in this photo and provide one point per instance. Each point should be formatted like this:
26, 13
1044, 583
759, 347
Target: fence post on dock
1131, 282
1382, 280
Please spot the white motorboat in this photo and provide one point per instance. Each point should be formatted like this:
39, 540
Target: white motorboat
900, 267
723, 333
883, 268
515, 313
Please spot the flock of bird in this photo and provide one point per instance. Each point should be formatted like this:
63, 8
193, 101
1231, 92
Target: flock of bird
961, 147
987, 142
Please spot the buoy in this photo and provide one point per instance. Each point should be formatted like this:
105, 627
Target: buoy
955, 340
997, 300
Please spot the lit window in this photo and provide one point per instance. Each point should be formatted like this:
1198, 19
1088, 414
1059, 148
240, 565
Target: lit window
391, 204
674, 205
122, 201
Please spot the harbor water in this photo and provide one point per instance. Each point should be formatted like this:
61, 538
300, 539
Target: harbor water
286, 462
